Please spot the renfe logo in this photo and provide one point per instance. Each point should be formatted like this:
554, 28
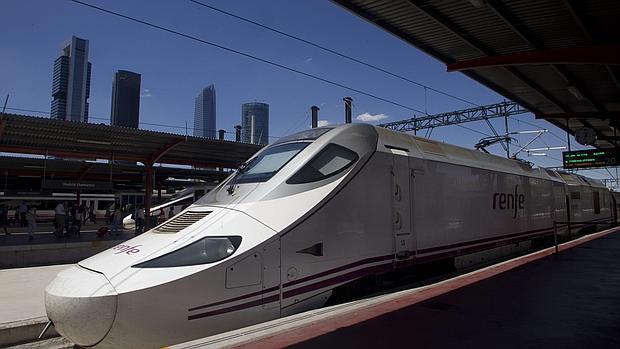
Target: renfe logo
510, 201
126, 249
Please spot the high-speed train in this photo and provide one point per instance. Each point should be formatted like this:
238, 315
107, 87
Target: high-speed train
303, 218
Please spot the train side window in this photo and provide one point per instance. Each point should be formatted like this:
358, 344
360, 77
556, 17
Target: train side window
332, 160
597, 202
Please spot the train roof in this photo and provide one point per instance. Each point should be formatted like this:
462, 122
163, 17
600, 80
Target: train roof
438, 151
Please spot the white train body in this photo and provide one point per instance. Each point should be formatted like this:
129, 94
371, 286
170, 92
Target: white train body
357, 200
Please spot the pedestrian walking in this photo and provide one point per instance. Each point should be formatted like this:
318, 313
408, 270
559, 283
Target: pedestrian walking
4, 218
31, 220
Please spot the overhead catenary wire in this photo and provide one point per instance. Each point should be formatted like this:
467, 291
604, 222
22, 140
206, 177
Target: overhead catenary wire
359, 61
244, 54
332, 51
278, 65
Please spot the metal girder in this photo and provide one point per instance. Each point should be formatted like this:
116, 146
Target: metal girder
575, 14
164, 150
392, 29
581, 115
466, 38
510, 20
604, 54
84, 170
457, 117
450, 26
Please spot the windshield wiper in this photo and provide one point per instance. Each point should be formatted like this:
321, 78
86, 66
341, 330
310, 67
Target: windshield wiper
240, 170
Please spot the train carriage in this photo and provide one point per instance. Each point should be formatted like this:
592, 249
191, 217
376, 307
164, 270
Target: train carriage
308, 215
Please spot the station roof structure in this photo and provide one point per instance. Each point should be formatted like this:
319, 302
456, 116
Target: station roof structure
88, 141
26, 173
557, 58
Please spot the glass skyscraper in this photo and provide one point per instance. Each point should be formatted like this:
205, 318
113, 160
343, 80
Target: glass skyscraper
125, 99
255, 123
204, 113
71, 82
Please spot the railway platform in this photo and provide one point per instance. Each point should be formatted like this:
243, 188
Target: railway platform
17, 251
565, 300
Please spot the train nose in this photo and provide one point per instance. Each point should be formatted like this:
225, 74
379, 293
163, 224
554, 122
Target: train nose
82, 305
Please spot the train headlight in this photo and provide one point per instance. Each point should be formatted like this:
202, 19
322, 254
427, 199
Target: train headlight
207, 250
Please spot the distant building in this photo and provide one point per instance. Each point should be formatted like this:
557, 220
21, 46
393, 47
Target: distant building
255, 123
204, 113
71, 82
125, 99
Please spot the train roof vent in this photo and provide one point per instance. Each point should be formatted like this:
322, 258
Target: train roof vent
180, 222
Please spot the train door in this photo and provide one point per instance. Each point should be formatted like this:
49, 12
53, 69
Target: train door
271, 289
401, 206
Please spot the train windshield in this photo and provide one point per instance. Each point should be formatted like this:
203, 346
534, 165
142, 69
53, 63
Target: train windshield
268, 163
306, 135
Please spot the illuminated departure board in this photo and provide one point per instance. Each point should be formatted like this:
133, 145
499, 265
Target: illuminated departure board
590, 158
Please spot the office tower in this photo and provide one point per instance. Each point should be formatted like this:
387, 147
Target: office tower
71, 82
255, 123
125, 99
204, 113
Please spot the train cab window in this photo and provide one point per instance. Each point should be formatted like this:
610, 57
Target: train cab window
597, 202
332, 160
269, 162
306, 135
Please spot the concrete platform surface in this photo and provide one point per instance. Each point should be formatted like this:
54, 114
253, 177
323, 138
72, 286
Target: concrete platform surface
569, 300
17, 251
21, 292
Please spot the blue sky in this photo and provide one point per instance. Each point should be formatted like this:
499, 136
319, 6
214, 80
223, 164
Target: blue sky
174, 69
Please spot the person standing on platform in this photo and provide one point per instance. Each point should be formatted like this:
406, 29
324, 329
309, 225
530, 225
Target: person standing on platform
91, 213
161, 217
79, 216
171, 212
140, 220
23, 209
59, 219
83, 211
4, 218
31, 220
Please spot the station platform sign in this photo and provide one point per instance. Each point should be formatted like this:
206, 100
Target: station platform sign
590, 158
67, 184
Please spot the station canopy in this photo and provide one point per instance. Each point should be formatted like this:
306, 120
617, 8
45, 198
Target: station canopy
557, 58
88, 141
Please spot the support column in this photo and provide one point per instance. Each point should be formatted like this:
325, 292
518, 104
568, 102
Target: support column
148, 193
568, 134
